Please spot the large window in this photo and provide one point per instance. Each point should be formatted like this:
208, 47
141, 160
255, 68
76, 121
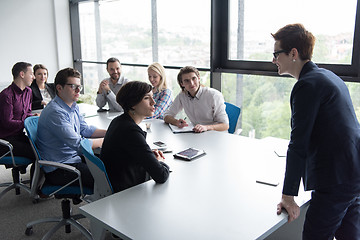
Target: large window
158, 31
242, 42
265, 108
246, 47
332, 26
229, 40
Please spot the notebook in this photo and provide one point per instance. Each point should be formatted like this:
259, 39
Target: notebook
176, 129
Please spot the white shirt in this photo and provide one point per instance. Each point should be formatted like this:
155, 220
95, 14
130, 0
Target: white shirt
206, 108
103, 98
45, 95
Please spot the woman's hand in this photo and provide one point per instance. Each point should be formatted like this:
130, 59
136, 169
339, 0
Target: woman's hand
158, 154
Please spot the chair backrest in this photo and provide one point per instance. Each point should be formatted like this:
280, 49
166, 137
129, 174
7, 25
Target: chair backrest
233, 113
31, 124
102, 185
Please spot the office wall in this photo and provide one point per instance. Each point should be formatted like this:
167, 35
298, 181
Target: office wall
35, 31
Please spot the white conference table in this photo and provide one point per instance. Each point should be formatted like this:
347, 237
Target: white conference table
213, 197
87, 110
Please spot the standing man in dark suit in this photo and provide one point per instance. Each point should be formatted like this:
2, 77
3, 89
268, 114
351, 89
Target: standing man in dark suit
324, 148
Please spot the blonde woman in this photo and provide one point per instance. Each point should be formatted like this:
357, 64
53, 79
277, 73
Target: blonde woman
162, 94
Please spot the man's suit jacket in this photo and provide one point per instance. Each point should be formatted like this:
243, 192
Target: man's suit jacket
324, 146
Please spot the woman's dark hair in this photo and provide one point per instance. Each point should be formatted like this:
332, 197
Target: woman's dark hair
40, 66
132, 93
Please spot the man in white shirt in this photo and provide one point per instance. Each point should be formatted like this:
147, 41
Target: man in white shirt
109, 87
204, 106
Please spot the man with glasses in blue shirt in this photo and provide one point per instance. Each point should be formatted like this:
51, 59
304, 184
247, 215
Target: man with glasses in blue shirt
61, 128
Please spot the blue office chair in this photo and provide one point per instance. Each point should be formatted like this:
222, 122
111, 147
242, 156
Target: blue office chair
16, 163
233, 113
65, 192
102, 185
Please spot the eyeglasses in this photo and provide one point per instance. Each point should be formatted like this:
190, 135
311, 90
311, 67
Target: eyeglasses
277, 53
74, 86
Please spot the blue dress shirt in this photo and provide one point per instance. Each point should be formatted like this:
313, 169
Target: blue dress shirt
60, 131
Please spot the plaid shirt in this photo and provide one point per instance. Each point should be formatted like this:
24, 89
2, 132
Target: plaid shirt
163, 100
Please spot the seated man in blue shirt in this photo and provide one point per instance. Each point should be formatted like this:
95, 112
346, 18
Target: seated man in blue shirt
61, 128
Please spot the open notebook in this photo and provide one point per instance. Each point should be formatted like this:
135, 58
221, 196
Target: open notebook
176, 129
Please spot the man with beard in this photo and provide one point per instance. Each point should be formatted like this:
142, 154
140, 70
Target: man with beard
109, 87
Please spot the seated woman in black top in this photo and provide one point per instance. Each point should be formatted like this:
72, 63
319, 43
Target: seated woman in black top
42, 91
127, 157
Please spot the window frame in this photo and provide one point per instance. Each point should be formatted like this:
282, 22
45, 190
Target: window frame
219, 52
220, 61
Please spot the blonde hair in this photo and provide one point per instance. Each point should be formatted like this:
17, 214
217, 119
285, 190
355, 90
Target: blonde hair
159, 69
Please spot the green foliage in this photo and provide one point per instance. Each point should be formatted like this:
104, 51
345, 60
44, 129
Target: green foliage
265, 105
354, 89
88, 96
264, 100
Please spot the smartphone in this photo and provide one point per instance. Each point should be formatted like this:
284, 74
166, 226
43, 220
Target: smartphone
160, 144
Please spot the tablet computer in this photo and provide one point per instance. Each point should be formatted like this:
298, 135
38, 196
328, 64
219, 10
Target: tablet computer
189, 154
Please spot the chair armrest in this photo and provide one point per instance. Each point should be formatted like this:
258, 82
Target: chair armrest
238, 131
6, 144
10, 146
60, 165
67, 168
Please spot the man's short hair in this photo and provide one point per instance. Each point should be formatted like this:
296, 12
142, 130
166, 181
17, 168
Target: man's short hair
20, 67
63, 75
112, 59
185, 70
296, 36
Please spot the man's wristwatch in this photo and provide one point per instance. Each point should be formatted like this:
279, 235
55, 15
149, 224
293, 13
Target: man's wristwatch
109, 91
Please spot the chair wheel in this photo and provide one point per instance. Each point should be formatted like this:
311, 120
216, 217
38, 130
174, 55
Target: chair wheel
29, 231
35, 201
